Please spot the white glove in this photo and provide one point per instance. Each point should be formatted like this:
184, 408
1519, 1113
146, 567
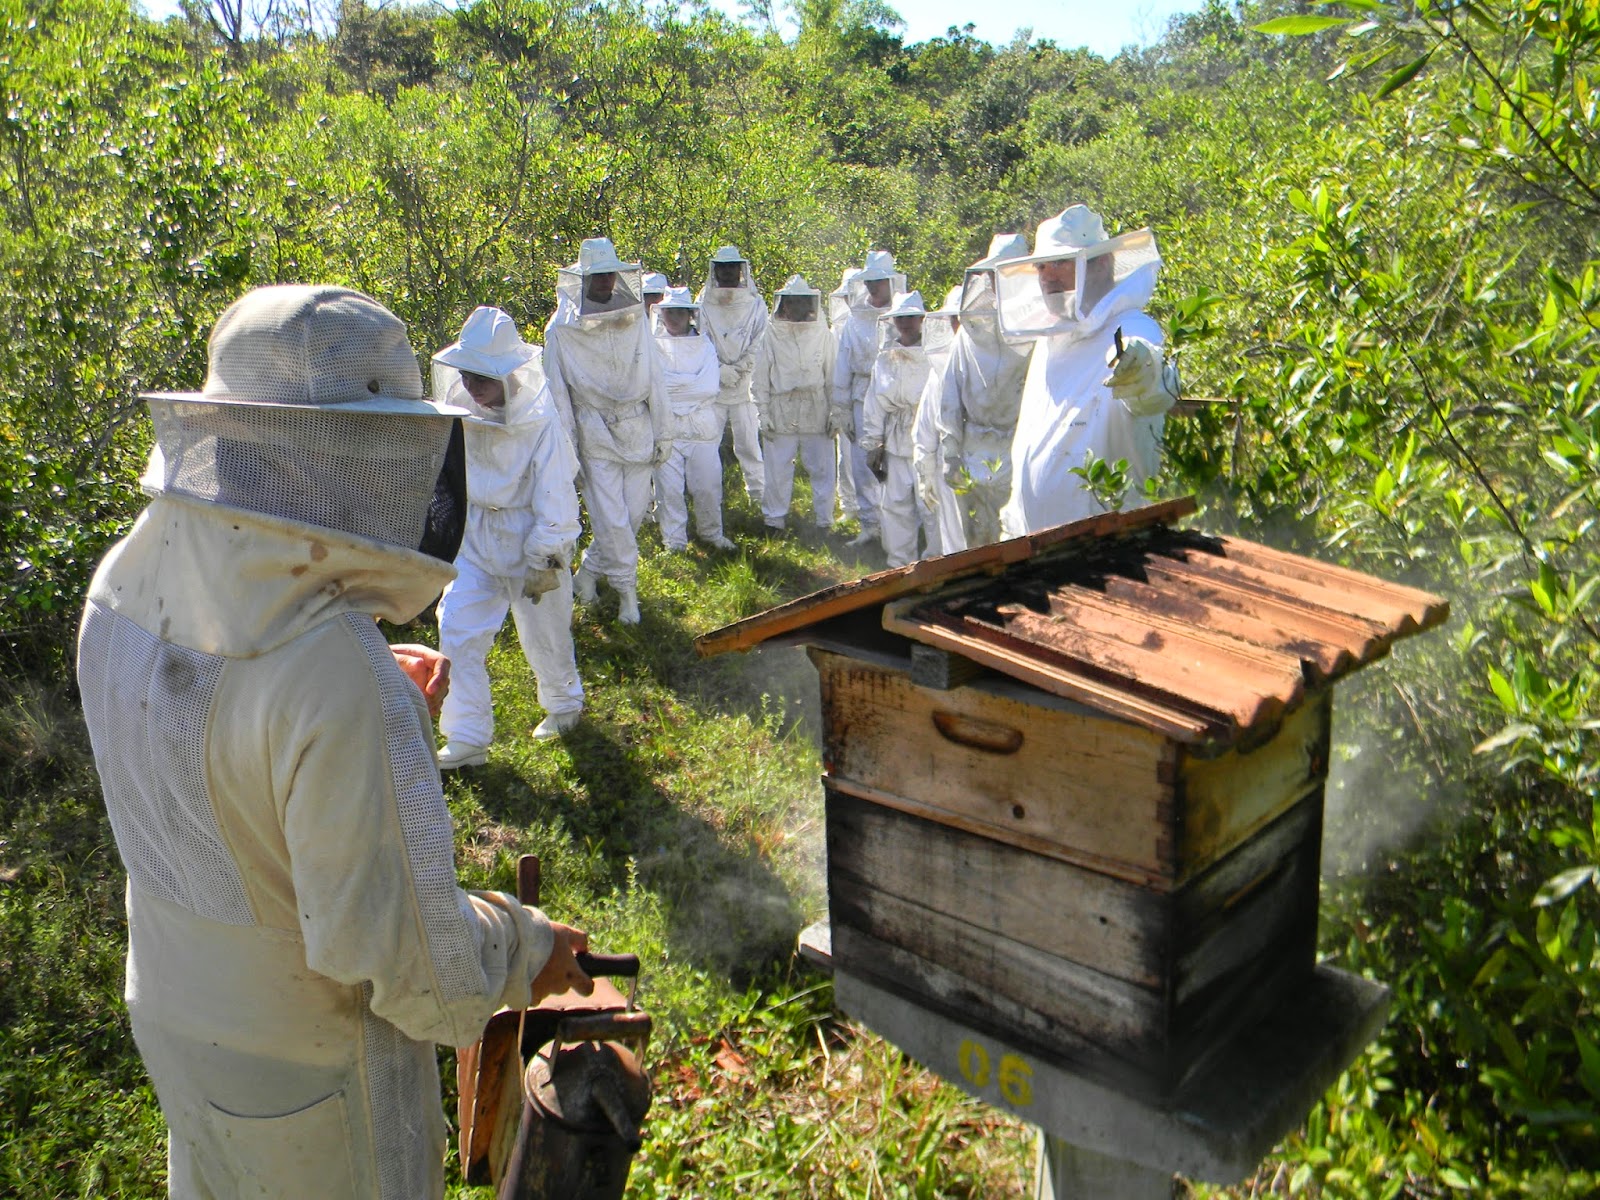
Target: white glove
769, 422
838, 421
663, 452
1145, 383
541, 579
955, 472
927, 493
727, 376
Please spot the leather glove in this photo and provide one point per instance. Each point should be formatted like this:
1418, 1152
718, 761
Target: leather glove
878, 463
838, 419
541, 578
955, 473
927, 493
769, 423
663, 452
727, 376
1146, 385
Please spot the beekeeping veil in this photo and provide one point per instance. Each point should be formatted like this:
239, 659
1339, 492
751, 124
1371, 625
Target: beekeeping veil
981, 357
879, 265
1109, 276
580, 297
490, 346
939, 329
676, 299
312, 411
798, 341
904, 304
839, 298
654, 287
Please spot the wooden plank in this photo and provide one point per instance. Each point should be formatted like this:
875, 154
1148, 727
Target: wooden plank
1116, 928
926, 573
885, 734
1168, 720
927, 985
1222, 801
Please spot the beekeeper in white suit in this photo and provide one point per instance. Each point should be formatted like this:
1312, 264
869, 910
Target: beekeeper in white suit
599, 359
980, 393
899, 375
1082, 293
858, 337
688, 364
793, 388
522, 528
838, 316
296, 939
734, 316
938, 508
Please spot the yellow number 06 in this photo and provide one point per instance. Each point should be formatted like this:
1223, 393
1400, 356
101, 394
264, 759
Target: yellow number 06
1015, 1075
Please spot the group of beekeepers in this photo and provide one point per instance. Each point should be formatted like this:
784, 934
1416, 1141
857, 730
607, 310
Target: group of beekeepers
298, 941
935, 429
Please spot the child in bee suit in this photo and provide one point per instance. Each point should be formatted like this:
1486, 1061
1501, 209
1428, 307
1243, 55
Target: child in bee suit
688, 364
600, 360
522, 527
899, 375
793, 387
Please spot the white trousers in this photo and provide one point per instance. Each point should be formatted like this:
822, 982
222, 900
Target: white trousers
696, 466
778, 452
471, 612
848, 505
899, 511
746, 442
617, 496
868, 490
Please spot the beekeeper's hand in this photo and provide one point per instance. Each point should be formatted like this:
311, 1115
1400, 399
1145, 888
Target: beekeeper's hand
1146, 385
426, 668
927, 493
878, 462
662, 453
727, 376
838, 420
955, 472
561, 972
769, 422
542, 577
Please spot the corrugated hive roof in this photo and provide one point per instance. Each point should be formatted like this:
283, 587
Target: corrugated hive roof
1200, 638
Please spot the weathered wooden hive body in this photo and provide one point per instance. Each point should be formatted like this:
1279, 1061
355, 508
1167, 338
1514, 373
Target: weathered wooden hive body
1074, 782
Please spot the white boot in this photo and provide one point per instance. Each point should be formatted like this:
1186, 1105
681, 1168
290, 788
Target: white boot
584, 585
555, 724
718, 540
868, 536
460, 754
628, 610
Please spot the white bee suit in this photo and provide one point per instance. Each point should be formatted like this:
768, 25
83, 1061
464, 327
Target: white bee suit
899, 376
297, 940
793, 388
1067, 411
522, 516
689, 371
940, 508
838, 316
601, 369
858, 338
735, 319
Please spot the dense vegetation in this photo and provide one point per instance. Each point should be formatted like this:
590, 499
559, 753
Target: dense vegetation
1379, 222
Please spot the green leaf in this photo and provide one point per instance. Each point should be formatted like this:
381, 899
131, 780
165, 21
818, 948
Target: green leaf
1502, 689
1403, 76
1300, 26
1559, 887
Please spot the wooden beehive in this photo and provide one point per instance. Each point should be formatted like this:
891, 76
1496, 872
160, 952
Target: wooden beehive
1074, 782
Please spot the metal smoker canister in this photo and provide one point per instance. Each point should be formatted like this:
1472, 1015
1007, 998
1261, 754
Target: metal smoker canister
583, 1097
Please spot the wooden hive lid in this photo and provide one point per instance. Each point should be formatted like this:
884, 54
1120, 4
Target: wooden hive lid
1202, 639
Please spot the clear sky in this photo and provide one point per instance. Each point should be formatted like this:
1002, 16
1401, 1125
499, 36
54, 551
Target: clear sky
1105, 26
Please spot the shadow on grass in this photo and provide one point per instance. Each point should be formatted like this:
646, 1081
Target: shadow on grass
727, 911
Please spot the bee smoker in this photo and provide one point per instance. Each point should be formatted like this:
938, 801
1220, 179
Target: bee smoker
552, 1098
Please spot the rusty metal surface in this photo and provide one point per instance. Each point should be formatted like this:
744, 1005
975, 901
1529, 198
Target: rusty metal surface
1204, 639
883, 586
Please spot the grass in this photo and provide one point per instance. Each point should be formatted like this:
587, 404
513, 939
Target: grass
681, 821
